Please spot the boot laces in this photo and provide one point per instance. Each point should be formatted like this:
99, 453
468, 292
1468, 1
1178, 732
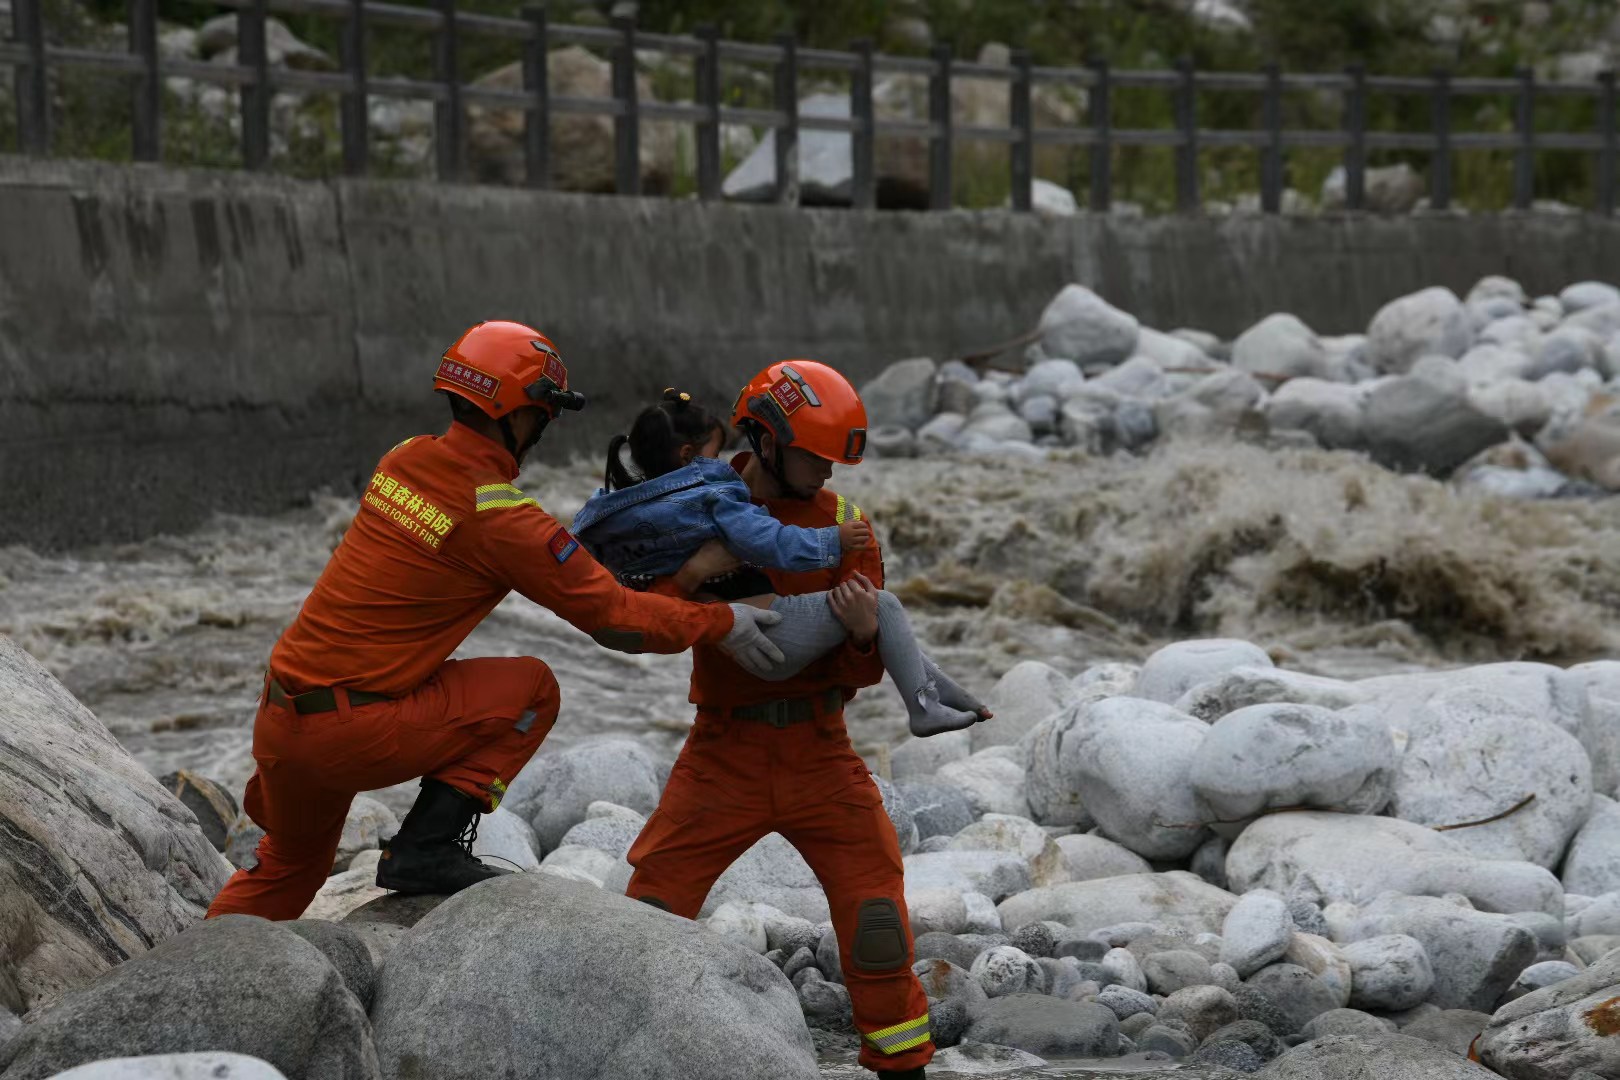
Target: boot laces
468, 837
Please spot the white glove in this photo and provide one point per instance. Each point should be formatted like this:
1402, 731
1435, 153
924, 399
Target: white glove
747, 644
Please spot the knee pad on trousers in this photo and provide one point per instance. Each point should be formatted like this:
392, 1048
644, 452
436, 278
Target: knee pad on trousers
653, 901
880, 939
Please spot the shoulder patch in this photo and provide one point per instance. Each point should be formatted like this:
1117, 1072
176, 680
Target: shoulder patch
562, 545
501, 497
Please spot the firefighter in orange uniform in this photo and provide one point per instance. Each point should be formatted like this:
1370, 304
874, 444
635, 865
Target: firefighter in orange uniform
768, 757
359, 694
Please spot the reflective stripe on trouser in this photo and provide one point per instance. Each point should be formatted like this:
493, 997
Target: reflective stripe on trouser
892, 1040
461, 727
738, 781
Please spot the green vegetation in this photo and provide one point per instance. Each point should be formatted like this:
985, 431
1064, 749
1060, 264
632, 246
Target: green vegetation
1466, 37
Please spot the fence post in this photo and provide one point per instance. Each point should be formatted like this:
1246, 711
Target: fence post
449, 119
1102, 151
537, 81
1271, 164
33, 90
1606, 156
627, 125
356, 110
787, 136
1440, 168
251, 54
1186, 107
1524, 159
1023, 125
939, 114
863, 140
707, 95
147, 102
1355, 124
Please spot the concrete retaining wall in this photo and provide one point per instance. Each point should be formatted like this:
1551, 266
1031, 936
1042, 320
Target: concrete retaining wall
178, 342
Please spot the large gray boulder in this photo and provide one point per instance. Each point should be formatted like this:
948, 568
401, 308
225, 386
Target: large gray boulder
994, 873
1371, 1057
904, 395
98, 861
1029, 693
1389, 972
236, 983
1587, 294
919, 759
1297, 993
506, 840
1475, 955
1129, 761
1045, 1025
204, 1065
1178, 667
1087, 857
574, 964
771, 872
1267, 757
991, 782
1256, 932
1453, 1029
1551, 1033
1426, 421
1332, 412
1592, 867
1551, 693
1265, 685
1598, 726
1430, 322
1471, 754
936, 809
554, 790
1173, 901
1280, 345
1017, 836
1355, 858
1081, 326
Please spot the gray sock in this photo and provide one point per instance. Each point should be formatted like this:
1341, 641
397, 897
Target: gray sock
907, 666
950, 692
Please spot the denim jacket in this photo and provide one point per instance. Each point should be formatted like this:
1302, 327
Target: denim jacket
651, 529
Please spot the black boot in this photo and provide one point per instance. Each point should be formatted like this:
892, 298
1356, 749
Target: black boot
432, 852
909, 1074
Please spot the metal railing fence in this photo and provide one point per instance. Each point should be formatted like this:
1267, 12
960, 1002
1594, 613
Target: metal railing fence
32, 59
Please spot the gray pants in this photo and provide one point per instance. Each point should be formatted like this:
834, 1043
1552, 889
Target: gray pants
809, 630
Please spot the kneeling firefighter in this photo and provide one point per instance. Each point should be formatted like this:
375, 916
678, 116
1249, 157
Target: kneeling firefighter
768, 757
360, 694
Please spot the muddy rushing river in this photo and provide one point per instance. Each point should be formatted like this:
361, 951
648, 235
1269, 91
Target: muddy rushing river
1334, 565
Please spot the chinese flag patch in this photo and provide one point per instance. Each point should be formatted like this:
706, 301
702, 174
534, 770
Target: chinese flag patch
562, 545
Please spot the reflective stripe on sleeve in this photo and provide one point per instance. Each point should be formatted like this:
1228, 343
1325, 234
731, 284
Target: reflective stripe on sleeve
502, 496
892, 1040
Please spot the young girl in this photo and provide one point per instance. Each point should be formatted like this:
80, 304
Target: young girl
645, 524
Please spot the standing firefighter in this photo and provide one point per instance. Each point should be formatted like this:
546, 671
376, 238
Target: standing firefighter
774, 756
359, 693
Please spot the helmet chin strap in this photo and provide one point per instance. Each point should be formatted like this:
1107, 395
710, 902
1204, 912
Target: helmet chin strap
509, 437
775, 465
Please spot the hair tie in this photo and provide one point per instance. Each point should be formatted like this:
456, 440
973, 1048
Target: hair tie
679, 397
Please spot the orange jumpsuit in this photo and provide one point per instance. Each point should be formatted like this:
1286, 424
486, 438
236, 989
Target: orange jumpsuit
737, 780
441, 536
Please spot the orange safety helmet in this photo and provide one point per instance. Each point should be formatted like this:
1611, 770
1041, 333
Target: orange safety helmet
505, 366
807, 404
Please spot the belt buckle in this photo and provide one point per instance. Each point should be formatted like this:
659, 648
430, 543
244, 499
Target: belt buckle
777, 714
